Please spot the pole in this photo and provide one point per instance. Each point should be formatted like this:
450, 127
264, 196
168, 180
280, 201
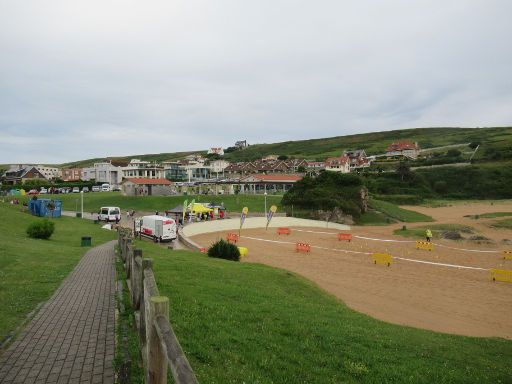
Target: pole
265, 194
82, 203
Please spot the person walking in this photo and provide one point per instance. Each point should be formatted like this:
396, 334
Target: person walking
428, 235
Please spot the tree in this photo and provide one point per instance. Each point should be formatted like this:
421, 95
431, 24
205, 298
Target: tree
453, 153
282, 157
404, 170
301, 169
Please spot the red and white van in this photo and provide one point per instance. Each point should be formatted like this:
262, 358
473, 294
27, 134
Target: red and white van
158, 228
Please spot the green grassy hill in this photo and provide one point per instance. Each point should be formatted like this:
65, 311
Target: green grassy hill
495, 145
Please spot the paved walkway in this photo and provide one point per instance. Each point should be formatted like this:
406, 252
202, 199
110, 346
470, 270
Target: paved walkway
71, 339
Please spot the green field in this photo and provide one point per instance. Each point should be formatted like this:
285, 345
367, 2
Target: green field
494, 145
507, 224
374, 218
437, 230
240, 322
400, 214
94, 200
491, 215
31, 269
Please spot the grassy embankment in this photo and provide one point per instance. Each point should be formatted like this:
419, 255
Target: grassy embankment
94, 200
395, 212
437, 230
240, 322
31, 269
507, 224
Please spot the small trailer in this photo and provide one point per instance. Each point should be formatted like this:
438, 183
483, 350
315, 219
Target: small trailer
158, 228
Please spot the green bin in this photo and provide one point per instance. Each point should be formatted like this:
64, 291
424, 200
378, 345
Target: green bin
79, 214
86, 241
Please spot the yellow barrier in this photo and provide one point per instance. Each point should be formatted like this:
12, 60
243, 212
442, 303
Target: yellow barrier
507, 255
501, 275
382, 258
427, 245
243, 251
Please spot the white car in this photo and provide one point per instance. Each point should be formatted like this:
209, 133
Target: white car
96, 188
76, 190
43, 190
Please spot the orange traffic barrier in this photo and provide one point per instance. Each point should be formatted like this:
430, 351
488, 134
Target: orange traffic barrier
202, 250
507, 255
345, 237
302, 247
427, 245
283, 231
232, 237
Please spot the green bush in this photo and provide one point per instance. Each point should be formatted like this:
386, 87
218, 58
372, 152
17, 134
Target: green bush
224, 250
41, 229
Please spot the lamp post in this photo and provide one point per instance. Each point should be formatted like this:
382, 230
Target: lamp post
265, 194
82, 203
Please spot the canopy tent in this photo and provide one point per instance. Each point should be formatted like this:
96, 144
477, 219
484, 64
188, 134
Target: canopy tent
199, 208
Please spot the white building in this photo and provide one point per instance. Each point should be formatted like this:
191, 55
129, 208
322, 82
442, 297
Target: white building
216, 151
104, 172
143, 169
338, 164
50, 173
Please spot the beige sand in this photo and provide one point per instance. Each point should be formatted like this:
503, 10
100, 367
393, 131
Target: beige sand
439, 298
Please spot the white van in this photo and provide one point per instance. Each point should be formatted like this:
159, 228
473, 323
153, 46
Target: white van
105, 187
157, 228
109, 214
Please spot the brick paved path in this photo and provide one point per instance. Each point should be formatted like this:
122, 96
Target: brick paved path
71, 339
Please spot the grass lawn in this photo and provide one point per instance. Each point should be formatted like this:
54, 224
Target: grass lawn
94, 200
507, 224
400, 214
240, 322
31, 269
374, 218
437, 230
495, 214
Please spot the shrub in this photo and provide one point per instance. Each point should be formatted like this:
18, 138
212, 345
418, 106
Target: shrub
41, 229
224, 250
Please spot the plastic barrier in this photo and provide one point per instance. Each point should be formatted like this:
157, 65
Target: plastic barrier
427, 245
501, 275
382, 258
202, 250
302, 247
243, 251
232, 237
507, 255
345, 237
283, 231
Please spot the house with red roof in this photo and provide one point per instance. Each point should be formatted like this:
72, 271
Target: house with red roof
338, 164
147, 187
404, 148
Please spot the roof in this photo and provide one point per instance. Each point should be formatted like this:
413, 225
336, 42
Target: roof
291, 178
147, 181
336, 160
402, 145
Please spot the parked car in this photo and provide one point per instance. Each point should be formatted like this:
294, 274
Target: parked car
33, 192
116, 189
96, 188
43, 190
109, 214
105, 187
76, 190
85, 189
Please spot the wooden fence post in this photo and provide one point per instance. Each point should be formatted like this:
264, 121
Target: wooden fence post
159, 306
137, 274
146, 264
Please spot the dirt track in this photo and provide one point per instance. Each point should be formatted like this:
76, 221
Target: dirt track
439, 298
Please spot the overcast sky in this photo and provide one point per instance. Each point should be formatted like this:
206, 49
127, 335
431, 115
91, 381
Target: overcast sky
83, 79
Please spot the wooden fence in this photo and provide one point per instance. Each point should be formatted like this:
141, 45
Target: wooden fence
159, 345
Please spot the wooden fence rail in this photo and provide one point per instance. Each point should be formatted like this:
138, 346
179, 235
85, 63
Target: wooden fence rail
160, 346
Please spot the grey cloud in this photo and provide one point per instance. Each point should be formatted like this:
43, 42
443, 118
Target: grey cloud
91, 79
